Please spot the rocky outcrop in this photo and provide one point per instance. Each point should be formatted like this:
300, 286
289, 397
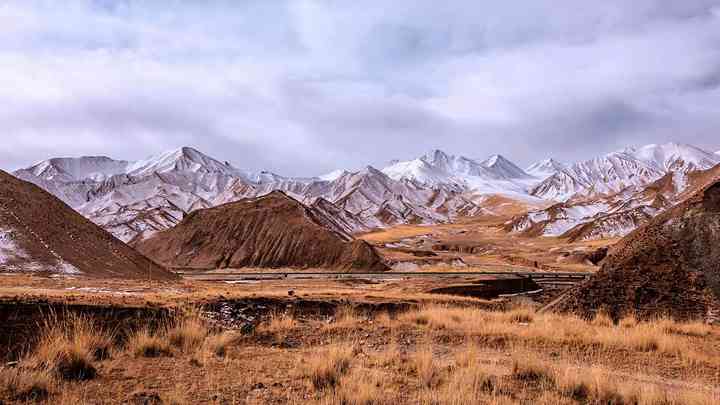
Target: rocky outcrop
671, 266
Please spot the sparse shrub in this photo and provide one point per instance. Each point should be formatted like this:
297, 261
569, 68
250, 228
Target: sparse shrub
326, 367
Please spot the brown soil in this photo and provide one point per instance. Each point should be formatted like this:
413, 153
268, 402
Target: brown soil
47, 235
270, 231
669, 267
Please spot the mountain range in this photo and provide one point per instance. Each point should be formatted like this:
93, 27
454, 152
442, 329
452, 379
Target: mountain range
133, 200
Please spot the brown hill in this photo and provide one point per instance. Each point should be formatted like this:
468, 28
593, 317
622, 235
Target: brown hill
671, 266
270, 231
39, 233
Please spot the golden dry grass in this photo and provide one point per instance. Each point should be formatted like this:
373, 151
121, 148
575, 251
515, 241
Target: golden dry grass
279, 322
433, 355
218, 344
532, 370
345, 317
595, 385
325, 368
26, 385
424, 366
663, 336
358, 387
188, 331
70, 346
147, 342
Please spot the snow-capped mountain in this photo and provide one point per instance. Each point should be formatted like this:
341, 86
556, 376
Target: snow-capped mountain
438, 169
135, 199
616, 171
545, 168
614, 215
503, 168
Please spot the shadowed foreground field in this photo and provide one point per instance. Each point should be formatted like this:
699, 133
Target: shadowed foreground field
445, 352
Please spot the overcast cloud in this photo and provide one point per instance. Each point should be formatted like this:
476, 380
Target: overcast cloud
304, 87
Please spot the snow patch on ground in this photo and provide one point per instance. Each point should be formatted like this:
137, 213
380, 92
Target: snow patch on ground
12, 257
67, 268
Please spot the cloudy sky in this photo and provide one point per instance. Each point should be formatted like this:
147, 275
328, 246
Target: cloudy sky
303, 87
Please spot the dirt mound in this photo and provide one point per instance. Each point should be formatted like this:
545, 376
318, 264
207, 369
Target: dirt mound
671, 266
270, 231
39, 233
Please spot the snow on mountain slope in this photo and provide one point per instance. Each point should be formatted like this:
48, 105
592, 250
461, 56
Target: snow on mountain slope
609, 216
184, 159
504, 168
437, 169
333, 175
339, 218
135, 199
629, 167
545, 168
675, 157
96, 168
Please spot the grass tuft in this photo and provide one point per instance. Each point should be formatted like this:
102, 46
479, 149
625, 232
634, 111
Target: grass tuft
69, 347
148, 343
218, 344
188, 331
327, 367
24, 385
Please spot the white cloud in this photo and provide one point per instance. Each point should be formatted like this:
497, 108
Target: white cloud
305, 86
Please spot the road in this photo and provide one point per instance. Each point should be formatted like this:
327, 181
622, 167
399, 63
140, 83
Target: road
541, 277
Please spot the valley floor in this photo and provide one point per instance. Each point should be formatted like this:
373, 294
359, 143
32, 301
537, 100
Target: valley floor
328, 342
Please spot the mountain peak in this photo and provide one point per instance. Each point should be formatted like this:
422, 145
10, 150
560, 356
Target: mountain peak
435, 156
184, 159
495, 160
68, 169
503, 167
545, 168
